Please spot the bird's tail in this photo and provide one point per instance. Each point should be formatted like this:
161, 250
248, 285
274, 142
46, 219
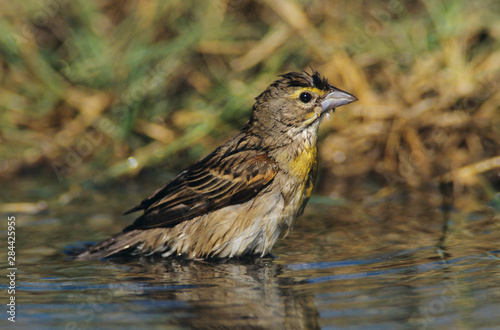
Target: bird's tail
113, 245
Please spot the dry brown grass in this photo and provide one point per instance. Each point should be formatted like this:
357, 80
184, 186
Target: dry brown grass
98, 90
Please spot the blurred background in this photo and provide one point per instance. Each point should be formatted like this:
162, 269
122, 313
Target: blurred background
102, 102
93, 92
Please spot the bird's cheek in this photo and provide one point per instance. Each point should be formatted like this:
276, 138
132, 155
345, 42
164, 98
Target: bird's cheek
310, 117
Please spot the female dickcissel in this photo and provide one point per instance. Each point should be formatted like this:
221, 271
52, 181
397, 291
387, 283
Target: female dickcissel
241, 197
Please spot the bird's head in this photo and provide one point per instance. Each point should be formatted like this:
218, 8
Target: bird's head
297, 101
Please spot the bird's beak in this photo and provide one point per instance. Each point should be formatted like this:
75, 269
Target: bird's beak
335, 99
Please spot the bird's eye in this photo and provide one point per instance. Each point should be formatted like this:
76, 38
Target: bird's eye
305, 97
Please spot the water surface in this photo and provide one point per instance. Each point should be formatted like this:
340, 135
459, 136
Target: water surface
372, 263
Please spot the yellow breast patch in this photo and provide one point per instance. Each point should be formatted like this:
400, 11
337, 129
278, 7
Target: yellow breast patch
303, 162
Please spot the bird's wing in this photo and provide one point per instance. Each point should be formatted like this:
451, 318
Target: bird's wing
214, 182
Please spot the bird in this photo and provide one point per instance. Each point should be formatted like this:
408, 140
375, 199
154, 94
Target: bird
239, 199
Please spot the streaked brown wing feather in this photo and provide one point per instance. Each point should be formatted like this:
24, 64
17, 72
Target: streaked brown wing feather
215, 182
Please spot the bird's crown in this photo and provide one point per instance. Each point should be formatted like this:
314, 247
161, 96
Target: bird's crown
303, 79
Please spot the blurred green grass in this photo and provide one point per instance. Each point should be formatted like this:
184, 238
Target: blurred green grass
98, 90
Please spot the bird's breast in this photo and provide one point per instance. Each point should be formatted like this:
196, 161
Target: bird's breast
297, 162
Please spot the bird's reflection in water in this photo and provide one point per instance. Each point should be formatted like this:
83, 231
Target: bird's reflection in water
220, 294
